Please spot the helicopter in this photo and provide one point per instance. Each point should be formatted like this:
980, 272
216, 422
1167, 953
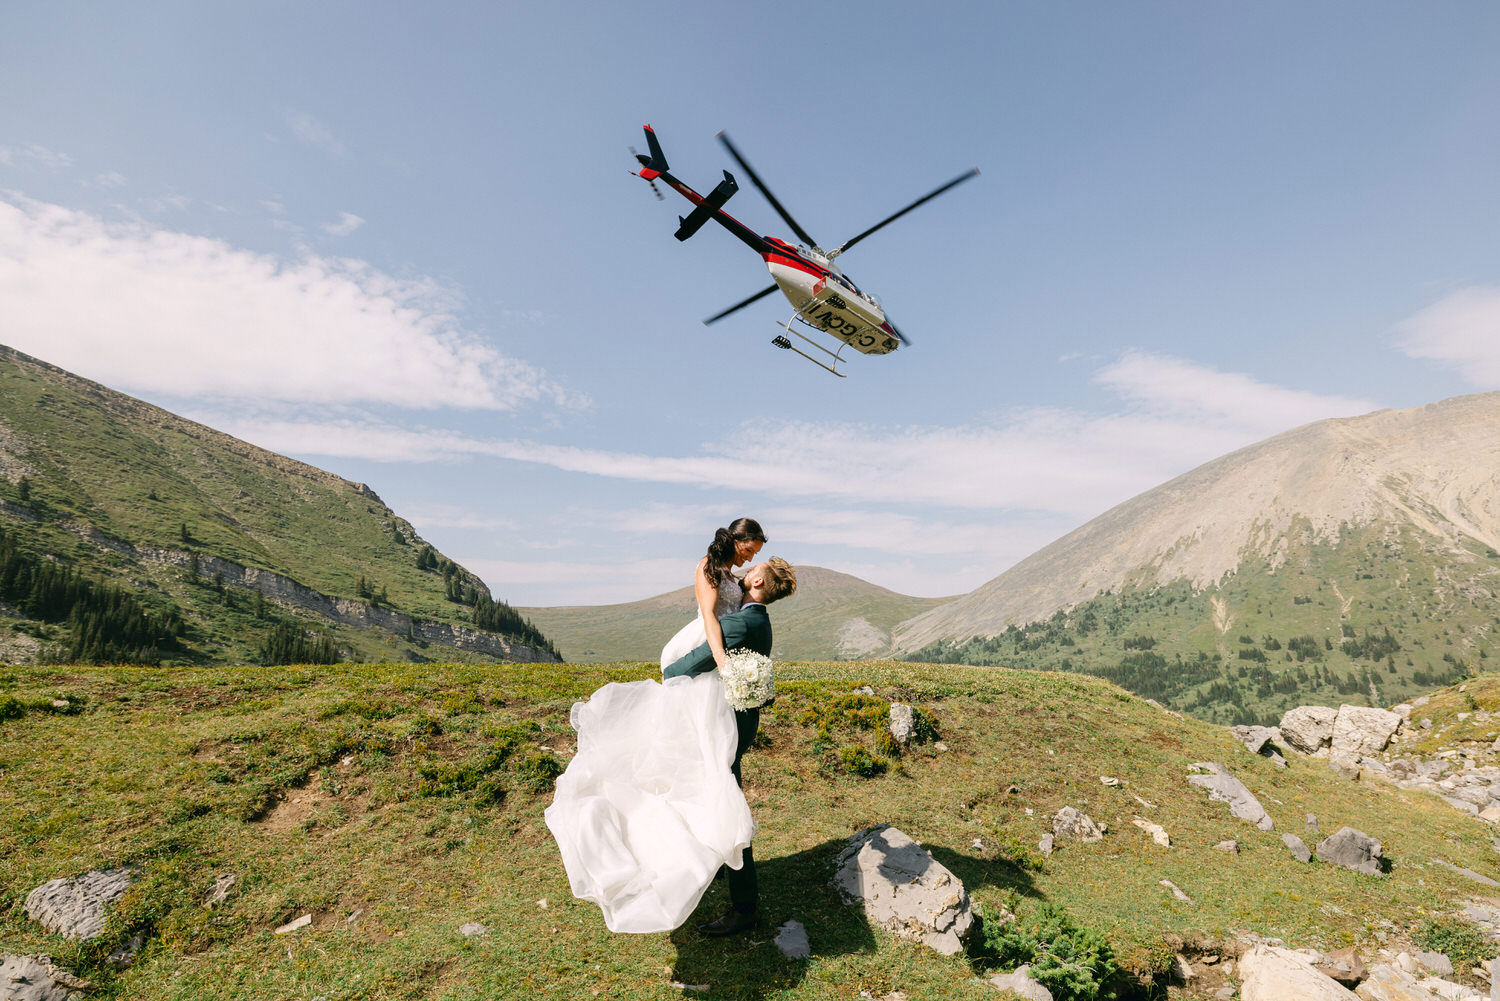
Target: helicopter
825, 300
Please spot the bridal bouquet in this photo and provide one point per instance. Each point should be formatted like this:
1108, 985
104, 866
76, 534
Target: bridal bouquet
749, 679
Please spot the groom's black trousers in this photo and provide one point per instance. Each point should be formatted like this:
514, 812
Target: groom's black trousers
744, 891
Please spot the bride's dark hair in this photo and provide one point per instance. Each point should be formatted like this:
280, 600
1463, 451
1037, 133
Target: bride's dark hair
721, 550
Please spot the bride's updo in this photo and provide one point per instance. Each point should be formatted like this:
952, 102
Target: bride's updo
721, 550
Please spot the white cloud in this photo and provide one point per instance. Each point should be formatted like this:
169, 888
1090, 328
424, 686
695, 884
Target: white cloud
313, 132
34, 156
1461, 331
430, 516
800, 526
550, 582
109, 179
1067, 463
348, 223
1177, 387
149, 309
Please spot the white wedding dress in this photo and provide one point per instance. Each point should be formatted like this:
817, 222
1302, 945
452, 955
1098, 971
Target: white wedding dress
648, 809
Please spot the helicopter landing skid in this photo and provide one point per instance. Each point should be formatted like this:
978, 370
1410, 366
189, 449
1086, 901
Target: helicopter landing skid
783, 342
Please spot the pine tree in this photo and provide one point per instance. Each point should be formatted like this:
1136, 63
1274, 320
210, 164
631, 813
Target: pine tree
24, 488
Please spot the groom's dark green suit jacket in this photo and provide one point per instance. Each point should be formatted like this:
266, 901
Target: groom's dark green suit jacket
747, 629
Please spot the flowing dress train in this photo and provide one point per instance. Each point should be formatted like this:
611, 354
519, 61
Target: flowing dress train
648, 809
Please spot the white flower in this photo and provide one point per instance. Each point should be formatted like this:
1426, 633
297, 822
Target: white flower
749, 679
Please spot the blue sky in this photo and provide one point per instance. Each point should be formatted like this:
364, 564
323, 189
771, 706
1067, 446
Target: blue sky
403, 244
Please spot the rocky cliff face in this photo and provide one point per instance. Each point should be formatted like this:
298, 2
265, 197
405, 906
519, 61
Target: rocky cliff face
280, 590
1435, 469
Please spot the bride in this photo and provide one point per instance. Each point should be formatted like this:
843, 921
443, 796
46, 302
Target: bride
648, 810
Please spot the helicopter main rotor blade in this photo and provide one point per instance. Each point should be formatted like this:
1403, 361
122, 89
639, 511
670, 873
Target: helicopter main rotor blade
755, 180
899, 335
743, 303
892, 218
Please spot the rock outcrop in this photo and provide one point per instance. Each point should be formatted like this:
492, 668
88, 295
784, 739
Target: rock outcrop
74, 908
1308, 729
37, 978
1225, 788
1268, 973
904, 889
1020, 983
1071, 822
1353, 850
1362, 730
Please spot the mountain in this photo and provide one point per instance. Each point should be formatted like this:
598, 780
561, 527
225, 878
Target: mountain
1360, 548
213, 538
833, 616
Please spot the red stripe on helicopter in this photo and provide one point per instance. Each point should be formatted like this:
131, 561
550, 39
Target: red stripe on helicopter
796, 262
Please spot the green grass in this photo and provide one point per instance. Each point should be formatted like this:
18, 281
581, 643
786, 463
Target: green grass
309, 784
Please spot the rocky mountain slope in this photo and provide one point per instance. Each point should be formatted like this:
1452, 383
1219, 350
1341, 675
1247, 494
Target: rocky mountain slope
833, 616
1349, 560
227, 537
1432, 471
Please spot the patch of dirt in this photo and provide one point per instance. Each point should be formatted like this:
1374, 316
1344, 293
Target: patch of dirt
300, 805
294, 807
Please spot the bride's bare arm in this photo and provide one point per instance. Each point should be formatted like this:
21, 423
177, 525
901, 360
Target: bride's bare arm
707, 599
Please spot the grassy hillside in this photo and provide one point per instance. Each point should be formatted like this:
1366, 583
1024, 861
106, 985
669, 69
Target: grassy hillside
1379, 617
395, 803
124, 490
833, 616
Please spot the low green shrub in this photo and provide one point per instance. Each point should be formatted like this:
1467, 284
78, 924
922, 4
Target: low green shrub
858, 761
1075, 964
846, 711
1459, 940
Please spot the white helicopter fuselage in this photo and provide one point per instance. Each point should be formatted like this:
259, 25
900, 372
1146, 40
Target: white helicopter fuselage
828, 301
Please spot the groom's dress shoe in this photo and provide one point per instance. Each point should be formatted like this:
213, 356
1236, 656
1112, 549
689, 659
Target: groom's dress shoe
732, 923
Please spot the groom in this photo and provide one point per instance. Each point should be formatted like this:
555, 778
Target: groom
747, 629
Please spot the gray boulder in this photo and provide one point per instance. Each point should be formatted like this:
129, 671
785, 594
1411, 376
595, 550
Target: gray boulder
1353, 850
1361, 730
1268, 973
1434, 962
904, 889
1073, 823
791, 939
74, 908
35, 978
219, 892
1225, 788
1298, 847
1255, 738
1308, 728
1346, 966
1387, 983
903, 723
1019, 983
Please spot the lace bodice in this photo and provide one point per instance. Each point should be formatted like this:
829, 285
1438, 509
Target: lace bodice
731, 595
